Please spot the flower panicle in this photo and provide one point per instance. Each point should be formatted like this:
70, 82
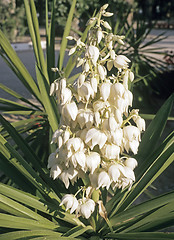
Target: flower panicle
98, 134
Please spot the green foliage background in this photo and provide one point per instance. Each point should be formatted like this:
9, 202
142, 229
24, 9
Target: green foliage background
29, 198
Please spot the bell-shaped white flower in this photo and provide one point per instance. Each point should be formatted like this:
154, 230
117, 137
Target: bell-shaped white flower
52, 160
70, 202
65, 96
100, 106
140, 123
79, 158
114, 172
75, 144
66, 135
117, 136
62, 84
85, 117
81, 80
132, 145
131, 163
55, 171
85, 91
121, 104
56, 134
95, 137
128, 97
121, 61
93, 53
105, 90
69, 111
117, 90
86, 207
67, 175
93, 161
128, 173
104, 180
110, 151
53, 88
131, 133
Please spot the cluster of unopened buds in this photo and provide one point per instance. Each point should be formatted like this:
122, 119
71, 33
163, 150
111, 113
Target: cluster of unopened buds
97, 129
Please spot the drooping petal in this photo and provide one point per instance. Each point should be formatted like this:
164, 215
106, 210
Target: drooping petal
105, 90
114, 172
103, 180
93, 53
93, 161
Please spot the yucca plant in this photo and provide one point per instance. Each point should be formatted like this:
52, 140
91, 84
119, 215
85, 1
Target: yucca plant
30, 199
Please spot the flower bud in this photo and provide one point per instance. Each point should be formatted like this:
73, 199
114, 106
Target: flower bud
104, 6
99, 36
81, 80
131, 76
102, 72
107, 14
112, 54
52, 88
106, 25
110, 65
72, 50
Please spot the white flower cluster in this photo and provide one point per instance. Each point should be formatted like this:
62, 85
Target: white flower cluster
97, 129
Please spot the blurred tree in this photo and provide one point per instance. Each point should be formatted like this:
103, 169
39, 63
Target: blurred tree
12, 20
